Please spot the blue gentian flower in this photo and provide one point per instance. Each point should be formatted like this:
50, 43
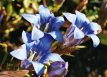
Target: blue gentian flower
80, 28
36, 51
73, 36
58, 69
47, 22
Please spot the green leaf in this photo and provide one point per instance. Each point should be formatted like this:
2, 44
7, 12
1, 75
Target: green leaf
103, 38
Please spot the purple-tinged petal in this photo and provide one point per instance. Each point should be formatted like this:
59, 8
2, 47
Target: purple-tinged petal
20, 53
73, 36
71, 42
33, 19
38, 67
57, 35
57, 69
66, 65
60, 64
95, 39
93, 28
51, 57
25, 63
26, 37
78, 34
81, 20
70, 17
36, 34
70, 32
56, 23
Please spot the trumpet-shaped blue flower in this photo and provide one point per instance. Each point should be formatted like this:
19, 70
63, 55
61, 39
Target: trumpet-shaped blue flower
47, 22
81, 27
73, 36
36, 51
58, 69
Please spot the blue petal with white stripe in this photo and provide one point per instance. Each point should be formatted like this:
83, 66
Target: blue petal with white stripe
95, 40
51, 57
93, 28
36, 34
38, 67
78, 34
26, 37
70, 17
57, 35
33, 19
45, 43
81, 20
44, 14
56, 23
20, 53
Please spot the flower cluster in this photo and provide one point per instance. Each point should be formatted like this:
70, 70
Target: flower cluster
36, 50
80, 28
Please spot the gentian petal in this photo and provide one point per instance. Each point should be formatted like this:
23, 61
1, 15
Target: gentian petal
20, 53
51, 57
81, 19
60, 64
26, 37
57, 68
66, 65
95, 39
45, 43
82, 16
25, 63
36, 34
33, 19
38, 67
70, 32
56, 23
78, 34
44, 13
57, 35
32, 46
93, 28
70, 17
